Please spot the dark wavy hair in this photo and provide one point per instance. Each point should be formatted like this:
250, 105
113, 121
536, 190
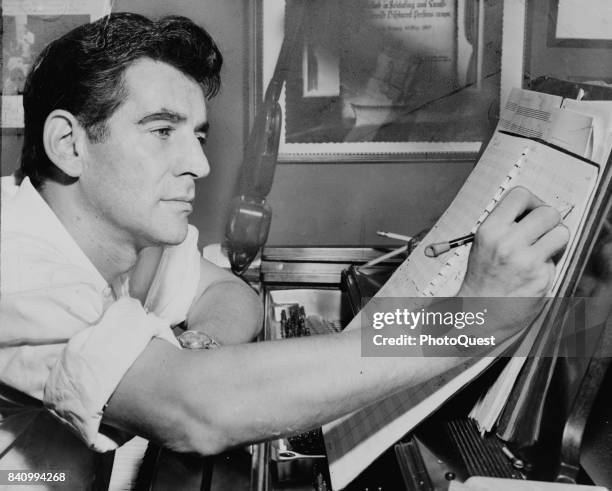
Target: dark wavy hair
82, 72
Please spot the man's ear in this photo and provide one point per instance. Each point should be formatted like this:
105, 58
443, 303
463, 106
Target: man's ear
63, 139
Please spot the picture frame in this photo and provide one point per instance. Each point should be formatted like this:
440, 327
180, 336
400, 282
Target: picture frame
580, 23
340, 111
579, 58
28, 26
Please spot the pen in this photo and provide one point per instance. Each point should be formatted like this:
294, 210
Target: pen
434, 250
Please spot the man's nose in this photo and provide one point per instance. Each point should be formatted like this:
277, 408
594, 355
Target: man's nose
203, 168
194, 160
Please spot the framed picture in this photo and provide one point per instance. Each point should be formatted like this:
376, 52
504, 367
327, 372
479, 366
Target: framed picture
580, 23
28, 26
388, 80
569, 40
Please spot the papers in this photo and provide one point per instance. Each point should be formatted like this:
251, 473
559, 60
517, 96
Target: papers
558, 178
528, 113
563, 121
601, 113
572, 131
581, 127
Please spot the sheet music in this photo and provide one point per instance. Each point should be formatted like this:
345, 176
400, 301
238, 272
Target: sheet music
528, 113
550, 175
416, 275
535, 115
578, 191
559, 179
489, 408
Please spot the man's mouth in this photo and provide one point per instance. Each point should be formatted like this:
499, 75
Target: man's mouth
185, 202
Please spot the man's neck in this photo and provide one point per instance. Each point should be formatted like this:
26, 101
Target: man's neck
110, 254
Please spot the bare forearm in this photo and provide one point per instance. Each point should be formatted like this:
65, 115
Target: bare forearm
229, 311
249, 392
292, 385
276, 388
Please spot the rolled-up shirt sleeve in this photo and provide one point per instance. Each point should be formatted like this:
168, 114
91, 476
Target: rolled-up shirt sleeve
93, 363
95, 360
65, 339
65, 343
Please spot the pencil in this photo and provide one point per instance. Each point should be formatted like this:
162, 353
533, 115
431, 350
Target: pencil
434, 250
391, 235
564, 212
386, 256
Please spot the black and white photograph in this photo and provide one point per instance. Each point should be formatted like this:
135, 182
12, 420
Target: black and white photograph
306, 245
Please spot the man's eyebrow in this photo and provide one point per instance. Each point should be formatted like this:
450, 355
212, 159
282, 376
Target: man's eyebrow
163, 115
173, 117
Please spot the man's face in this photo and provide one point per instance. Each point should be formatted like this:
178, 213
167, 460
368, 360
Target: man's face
139, 180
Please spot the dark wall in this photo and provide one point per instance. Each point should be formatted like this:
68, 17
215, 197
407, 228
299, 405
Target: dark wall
313, 204
345, 204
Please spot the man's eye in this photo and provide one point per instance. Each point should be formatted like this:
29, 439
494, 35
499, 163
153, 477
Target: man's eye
201, 139
163, 133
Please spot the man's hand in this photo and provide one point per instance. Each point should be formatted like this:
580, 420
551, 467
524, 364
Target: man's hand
513, 249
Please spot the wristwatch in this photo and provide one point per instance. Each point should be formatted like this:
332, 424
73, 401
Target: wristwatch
197, 340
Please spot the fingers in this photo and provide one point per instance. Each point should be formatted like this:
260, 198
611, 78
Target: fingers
535, 224
514, 204
531, 223
541, 227
552, 242
514, 248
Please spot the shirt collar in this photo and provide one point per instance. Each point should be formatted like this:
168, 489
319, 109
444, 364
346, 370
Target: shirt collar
33, 215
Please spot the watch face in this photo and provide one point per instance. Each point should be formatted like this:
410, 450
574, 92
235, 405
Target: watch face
196, 340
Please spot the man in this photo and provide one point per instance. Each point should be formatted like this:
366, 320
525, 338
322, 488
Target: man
99, 262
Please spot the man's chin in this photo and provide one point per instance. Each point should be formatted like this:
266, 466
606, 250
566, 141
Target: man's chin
177, 238
170, 236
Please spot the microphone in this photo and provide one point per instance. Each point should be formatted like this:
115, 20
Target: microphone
246, 231
249, 220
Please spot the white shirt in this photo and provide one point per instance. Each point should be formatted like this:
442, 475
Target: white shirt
66, 336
